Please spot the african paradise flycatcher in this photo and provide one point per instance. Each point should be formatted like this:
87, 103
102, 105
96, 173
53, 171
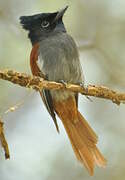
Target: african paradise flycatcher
55, 57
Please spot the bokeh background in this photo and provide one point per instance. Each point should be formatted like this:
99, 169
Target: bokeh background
37, 151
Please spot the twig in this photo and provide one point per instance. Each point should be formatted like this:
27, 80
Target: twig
3, 141
39, 84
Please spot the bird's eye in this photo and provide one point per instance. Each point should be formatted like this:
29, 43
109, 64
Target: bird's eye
45, 24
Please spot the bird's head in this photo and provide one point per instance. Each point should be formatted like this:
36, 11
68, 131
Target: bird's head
41, 26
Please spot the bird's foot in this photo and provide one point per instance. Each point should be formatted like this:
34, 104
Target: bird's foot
82, 85
63, 82
86, 90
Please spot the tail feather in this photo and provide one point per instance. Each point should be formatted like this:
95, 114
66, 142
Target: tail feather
99, 159
83, 153
87, 129
84, 141
81, 135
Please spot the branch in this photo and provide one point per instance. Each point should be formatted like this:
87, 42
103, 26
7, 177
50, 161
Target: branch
38, 83
3, 141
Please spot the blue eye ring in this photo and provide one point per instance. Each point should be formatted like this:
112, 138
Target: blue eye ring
45, 24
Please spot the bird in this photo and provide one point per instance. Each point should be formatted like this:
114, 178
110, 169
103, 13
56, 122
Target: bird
55, 57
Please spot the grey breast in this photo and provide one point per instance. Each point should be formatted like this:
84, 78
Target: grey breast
59, 60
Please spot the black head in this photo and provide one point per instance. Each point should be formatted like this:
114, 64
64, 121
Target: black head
43, 25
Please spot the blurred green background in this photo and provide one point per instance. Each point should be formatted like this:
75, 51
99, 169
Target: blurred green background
37, 151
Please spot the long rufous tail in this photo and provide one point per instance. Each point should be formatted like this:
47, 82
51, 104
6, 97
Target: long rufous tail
81, 135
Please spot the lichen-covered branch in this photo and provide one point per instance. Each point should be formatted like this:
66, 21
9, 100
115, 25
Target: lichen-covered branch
39, 83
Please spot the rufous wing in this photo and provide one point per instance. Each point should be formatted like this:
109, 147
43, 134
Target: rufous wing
45, 94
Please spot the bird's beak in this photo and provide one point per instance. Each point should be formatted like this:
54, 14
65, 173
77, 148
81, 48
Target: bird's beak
60, 14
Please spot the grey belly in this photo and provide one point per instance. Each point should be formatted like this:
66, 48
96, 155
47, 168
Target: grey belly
60, 68
65, 70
